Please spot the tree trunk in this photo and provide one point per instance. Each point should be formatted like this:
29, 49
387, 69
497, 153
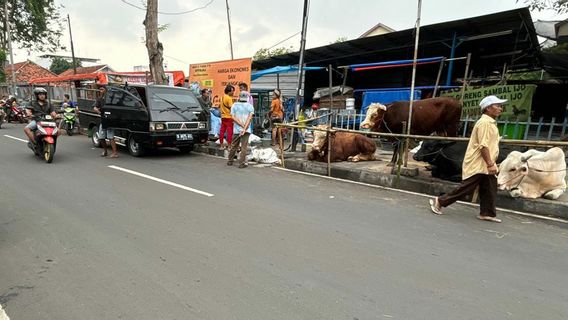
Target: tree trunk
154, 46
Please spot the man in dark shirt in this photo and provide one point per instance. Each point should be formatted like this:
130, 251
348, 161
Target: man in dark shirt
104, 131
38, 108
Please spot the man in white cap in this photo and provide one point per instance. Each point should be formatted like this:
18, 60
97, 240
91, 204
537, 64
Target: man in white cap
479, 168
242, 113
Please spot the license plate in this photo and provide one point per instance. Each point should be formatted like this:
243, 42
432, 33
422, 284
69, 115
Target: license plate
184, 136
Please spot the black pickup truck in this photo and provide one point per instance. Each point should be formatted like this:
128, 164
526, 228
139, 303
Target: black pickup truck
146, 117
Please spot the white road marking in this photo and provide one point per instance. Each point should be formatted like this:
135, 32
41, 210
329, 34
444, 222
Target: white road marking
173, 184
8, 136
526, 214
3, 315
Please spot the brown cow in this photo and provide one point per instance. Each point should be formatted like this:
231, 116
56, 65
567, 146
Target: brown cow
440, 115
344, 146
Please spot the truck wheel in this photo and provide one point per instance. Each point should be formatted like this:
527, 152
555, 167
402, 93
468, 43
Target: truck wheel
134, 148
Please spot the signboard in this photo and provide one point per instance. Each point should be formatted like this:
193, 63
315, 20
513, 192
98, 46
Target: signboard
518, 106
217, 75
140, 78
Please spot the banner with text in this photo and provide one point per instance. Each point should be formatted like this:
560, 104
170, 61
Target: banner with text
217, 75
518, 105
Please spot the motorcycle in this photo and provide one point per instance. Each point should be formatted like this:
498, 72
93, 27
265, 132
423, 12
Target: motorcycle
69, 119
17, 114
45, 138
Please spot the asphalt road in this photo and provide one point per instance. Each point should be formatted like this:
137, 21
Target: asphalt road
82, 240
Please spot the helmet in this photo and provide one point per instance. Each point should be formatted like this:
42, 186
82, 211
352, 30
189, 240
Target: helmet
37, 91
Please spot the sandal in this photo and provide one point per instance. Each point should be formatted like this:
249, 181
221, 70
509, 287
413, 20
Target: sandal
488, 218
114, 155
435, 206
104, 154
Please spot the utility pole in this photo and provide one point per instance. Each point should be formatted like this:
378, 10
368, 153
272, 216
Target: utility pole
10, 48
412, 85
299, 91
229, 23
72, 48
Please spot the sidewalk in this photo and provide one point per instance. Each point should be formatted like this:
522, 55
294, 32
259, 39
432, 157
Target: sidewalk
378, 173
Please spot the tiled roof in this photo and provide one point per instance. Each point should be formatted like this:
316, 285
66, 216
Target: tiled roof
26, 71
82, 70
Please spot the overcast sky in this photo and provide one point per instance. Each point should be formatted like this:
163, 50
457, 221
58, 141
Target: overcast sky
112, 31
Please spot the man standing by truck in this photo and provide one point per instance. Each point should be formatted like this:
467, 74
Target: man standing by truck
104, 131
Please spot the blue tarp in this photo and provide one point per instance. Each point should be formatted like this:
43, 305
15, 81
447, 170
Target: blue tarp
385, 97
280, 69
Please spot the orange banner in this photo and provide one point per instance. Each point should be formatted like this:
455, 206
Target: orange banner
217, 75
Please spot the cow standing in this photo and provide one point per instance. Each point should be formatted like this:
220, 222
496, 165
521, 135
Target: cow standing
440, 115
344, 146
534, 174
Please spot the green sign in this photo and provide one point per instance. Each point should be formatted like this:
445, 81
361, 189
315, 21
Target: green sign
518, 106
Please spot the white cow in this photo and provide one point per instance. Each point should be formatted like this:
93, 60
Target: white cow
534, 174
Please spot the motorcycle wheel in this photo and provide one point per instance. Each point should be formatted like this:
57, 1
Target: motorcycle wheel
48, 152
69, 131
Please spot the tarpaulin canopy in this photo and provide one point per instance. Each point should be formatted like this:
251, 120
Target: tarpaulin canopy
280, 69
98, 76
392, 64
175, 78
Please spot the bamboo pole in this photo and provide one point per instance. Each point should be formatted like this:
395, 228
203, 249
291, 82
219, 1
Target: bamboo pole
328, 154
281, 145
536, 143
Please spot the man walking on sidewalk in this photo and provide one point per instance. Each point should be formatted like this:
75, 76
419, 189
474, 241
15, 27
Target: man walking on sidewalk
242, 113
479, 167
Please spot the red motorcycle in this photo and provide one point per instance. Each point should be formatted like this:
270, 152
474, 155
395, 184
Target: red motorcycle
45, 138
17, 114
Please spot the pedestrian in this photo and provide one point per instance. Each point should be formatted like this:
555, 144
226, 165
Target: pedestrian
241, 112
276, 115
479, 168
105, 132
226, 119
243, 87
205, 99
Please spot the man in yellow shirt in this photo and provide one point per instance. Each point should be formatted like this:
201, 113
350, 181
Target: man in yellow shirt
226, 118
479, 168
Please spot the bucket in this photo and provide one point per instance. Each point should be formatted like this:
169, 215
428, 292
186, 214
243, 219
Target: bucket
350, 103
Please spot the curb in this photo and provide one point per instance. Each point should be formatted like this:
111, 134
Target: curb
543, 207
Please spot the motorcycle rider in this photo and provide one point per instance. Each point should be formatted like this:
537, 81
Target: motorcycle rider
39, 107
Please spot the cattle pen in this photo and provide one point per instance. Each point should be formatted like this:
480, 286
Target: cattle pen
397, 136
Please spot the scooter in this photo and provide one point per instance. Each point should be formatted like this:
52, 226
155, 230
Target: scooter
69, 119
45, 138
17, 114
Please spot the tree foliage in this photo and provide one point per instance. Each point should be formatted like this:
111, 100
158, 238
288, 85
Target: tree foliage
35, 25
59, 65
559, 49
560, 6
339, 40
2, 60
265, 53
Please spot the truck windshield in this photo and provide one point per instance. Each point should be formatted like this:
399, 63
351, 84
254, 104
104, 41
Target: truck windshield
167, 99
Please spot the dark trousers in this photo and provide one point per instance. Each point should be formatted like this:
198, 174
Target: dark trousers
487, 193
243, 140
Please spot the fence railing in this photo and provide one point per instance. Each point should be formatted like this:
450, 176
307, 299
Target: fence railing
541, 129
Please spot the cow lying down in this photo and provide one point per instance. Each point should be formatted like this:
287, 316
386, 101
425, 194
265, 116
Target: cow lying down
534, 174
344, 146
446, 157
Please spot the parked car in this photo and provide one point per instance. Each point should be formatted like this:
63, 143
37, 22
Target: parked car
146, 117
